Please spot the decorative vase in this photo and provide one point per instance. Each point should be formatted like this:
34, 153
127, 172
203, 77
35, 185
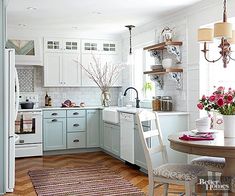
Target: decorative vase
229, 125
105, 98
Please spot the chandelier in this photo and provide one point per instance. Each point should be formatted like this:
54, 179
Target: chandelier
222, 30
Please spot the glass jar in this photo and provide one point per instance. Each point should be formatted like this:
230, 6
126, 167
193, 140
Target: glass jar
167, 103
156, 103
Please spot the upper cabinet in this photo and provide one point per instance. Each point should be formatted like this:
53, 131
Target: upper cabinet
99, 46
61, 67
28, 50
61, 45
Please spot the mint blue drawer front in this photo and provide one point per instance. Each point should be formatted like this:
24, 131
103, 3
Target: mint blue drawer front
76, 113
76, 140
76, 124
54, 114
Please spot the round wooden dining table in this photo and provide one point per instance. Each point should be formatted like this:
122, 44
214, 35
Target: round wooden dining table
219, 147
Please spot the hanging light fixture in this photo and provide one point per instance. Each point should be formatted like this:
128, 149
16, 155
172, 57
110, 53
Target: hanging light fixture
130, 27
222, 30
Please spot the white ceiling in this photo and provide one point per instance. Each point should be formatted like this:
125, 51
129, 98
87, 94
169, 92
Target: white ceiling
105, 16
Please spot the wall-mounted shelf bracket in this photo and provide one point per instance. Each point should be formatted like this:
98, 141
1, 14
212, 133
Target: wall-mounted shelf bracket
175, 50
178, 78
158, 79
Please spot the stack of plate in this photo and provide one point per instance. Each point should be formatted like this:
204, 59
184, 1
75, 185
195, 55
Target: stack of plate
203, 124
156, 67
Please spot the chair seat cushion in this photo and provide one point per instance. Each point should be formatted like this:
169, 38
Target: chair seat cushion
211, 163
183, 172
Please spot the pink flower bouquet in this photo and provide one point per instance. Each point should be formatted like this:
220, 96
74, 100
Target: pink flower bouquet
221, 101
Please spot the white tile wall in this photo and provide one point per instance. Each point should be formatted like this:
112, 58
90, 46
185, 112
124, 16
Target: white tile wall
91, 96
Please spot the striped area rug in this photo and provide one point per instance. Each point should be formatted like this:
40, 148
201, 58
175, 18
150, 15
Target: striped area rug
93, 180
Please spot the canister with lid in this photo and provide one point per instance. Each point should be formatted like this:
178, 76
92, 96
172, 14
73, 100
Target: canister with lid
167, 103
156, 103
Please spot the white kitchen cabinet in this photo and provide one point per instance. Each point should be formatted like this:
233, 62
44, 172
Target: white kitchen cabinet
61, 70
87, 60
53, 69
61, 67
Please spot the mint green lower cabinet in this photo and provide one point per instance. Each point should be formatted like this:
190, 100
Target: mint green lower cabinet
54, 134
112, 138
107, 137
115, 140
93, 128
76, 140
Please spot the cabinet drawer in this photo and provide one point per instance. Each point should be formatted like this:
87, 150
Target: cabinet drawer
75, 113
76, 124
76, 140
54, 114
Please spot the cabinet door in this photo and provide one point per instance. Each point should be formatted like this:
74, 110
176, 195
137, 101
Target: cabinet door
53, 45
71, 70
116, 140
112, 59
54, 134
93, 131
139, 151
87, 59
53, 69
91, 46
107, 138
71, 46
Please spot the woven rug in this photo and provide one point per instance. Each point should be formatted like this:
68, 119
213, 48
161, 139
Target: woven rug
88, 180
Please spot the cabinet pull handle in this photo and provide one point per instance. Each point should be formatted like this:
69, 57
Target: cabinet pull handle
54, 120
21, 141
76, 125
75, 113
76, 140
54, 114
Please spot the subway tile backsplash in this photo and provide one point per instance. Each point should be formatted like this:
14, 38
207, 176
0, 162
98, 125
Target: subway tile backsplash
90, 95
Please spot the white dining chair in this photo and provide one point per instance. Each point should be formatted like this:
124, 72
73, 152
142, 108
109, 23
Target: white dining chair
167, 173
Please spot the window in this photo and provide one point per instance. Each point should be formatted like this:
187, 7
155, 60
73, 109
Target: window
217, 74
142, 62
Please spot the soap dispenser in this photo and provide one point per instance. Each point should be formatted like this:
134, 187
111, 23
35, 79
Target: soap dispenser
120, 100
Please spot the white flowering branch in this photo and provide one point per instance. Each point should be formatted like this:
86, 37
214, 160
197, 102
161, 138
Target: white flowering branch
104, 75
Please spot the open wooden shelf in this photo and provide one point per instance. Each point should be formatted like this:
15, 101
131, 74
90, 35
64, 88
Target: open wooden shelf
164, 71
162, 46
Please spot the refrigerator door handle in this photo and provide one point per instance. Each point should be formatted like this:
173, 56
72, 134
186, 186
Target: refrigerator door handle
17, 93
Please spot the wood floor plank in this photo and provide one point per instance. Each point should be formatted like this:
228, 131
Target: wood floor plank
24, 185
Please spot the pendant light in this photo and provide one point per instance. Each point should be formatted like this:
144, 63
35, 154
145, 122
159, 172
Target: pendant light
130, 27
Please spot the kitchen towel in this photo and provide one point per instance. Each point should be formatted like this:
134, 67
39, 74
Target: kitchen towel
17, 123
27, 122
196, 138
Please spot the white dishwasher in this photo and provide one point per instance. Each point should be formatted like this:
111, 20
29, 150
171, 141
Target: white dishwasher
127, 137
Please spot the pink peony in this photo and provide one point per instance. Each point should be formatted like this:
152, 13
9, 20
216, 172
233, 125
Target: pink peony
221, 88
220, 102
212, 98
230, 98
200, 106
203, 97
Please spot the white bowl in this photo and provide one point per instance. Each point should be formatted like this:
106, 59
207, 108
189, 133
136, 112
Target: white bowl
203, 128
167, 63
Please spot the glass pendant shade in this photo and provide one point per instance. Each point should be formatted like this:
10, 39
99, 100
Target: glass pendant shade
232, 41
205, 35
223, 30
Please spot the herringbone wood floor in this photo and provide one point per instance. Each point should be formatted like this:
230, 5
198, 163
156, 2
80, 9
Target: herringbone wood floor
24, 186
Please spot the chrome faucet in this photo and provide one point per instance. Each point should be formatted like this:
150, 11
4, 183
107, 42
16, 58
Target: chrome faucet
137, 96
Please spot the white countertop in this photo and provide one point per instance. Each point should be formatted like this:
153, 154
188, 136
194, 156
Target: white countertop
130, 110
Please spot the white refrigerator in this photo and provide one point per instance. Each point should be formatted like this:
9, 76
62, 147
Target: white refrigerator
11, 104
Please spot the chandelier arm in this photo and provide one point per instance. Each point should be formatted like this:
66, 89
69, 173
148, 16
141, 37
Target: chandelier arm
211, 61
232, 58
